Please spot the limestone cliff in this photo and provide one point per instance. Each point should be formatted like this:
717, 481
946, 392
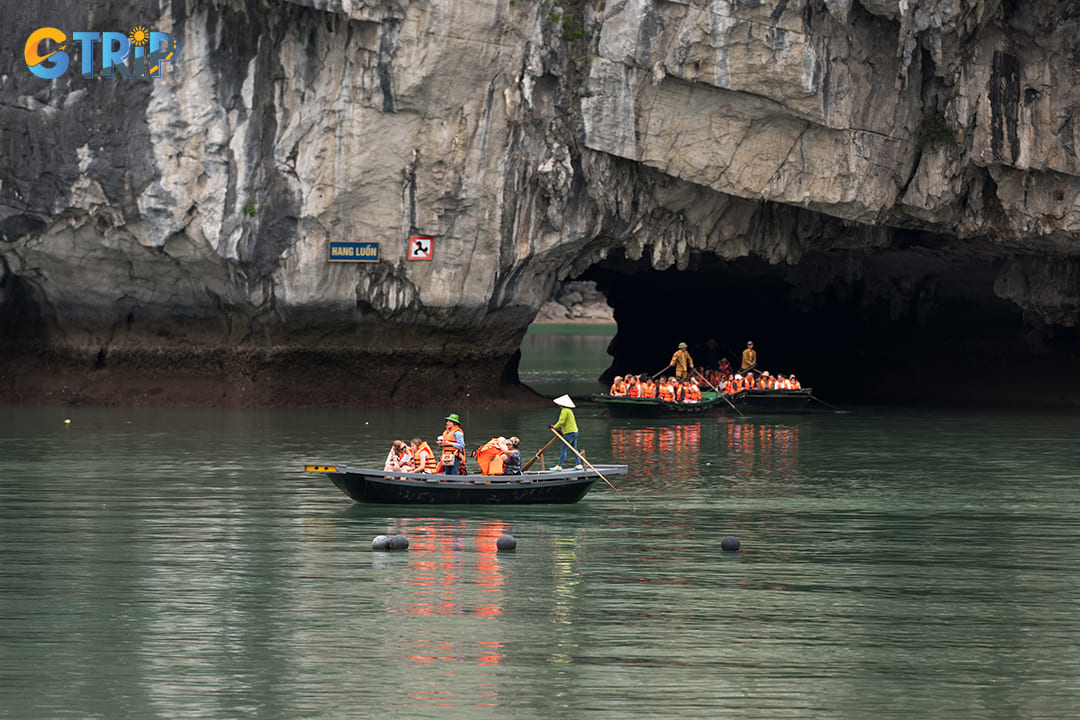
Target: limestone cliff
878, 173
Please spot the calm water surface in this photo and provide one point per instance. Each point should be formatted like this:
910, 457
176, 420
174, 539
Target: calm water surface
896, 564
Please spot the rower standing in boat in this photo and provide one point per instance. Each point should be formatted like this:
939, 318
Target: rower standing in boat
749, 358
682, 362
452, 442
567, 427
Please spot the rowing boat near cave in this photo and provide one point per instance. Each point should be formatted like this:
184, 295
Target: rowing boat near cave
743, 402
368, 485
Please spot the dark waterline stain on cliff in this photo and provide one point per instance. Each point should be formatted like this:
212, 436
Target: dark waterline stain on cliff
1004, 105
388, 45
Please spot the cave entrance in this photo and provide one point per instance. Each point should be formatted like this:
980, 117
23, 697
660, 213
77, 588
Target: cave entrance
901, 326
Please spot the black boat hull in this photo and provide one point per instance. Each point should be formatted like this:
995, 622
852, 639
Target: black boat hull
772, 401
544, 487
651, 408
744, 402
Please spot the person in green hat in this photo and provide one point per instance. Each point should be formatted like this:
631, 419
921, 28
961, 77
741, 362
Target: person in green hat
452, 442
682, 362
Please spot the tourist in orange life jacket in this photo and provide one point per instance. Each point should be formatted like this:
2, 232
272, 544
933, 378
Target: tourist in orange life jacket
682, 362
648, 388
666, 390
724, 367
692, 393
452, 442
633, 388
765, 381
795, 383
399, 457
423, 458
618, 386
489, 456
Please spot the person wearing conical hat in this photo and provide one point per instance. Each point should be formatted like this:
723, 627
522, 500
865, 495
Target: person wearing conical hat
567, 427
452, 442
682, 362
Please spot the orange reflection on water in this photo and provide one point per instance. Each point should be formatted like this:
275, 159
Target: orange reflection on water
450, 568
759, 449
658, 451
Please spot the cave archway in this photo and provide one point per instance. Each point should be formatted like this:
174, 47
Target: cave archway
904, 326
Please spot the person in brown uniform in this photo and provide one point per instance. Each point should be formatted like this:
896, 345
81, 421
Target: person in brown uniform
749, 358
682, 362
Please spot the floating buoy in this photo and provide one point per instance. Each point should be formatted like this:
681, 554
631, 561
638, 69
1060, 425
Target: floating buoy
730, 543
506, 542
381, 542
399, 542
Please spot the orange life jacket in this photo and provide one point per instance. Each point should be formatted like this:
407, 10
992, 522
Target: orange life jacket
449, 452
424, 459
667, 392
634, 390
489, 458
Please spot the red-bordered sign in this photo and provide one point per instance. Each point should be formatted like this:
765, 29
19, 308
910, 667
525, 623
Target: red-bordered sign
420, 247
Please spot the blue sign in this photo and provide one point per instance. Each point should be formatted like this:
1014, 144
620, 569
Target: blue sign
345, 251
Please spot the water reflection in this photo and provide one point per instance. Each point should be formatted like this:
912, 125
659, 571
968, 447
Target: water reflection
893, 567
756, 450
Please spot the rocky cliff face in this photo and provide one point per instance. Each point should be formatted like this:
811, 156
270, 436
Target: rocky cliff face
877, 173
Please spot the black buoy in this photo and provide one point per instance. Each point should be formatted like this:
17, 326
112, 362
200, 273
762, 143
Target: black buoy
506, 542
730, 543
381, 542
399, 542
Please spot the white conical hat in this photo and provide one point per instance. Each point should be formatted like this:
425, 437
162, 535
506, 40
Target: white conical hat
564, 401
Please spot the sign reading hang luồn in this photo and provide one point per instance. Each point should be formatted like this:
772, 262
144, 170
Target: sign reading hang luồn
349, 251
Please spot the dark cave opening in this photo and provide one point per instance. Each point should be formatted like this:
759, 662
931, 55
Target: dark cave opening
902, 327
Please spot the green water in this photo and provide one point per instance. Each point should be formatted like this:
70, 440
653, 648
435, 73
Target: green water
895, 564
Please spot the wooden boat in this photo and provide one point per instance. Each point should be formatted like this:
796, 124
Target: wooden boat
745, 402
772, 401
622, 406
407, 488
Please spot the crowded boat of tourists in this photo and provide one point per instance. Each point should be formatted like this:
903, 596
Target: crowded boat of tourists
694, 390
688, 390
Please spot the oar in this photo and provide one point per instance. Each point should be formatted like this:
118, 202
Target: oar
540, 452
706, 380
722, 394
825, 403
661, 370
582, 459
